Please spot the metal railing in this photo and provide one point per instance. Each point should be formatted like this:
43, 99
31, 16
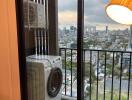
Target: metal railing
108, 74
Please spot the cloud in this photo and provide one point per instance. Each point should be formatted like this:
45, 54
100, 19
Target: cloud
94, 12
67, 18
67, 5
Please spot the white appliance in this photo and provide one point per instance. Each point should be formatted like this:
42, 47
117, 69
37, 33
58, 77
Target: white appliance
44, 77
34, 14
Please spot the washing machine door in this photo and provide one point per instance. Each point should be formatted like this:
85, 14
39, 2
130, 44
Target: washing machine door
54, 82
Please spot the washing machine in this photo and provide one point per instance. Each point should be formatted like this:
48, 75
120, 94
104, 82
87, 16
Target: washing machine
44, 77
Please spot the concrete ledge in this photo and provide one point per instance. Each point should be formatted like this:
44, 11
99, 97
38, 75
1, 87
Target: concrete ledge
68, 98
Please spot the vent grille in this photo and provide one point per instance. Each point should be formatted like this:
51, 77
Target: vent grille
34, 16
35, 81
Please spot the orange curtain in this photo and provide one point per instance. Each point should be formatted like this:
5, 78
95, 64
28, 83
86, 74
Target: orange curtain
9, 67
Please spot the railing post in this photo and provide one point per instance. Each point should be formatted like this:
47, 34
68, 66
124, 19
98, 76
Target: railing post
80, 69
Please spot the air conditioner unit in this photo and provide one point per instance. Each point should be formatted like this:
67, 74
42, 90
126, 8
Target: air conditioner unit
34, 16
41, 16
44, 77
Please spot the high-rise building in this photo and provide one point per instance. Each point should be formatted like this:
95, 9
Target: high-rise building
91, 29
107, 28
130, 39
126, 56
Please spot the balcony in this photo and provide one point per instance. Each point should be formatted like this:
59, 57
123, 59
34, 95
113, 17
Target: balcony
108, 74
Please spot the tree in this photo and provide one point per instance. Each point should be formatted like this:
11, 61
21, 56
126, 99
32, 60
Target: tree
74, 67
87, 71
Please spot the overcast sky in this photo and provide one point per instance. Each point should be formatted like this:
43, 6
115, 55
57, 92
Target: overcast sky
95, 14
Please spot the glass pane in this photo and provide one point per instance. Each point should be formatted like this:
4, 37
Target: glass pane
36, 46
35, 24
106, 70
67, 34
43, 71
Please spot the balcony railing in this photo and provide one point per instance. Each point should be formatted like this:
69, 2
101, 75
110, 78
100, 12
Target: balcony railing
108, 74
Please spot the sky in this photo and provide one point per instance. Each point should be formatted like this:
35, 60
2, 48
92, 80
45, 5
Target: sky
94, 15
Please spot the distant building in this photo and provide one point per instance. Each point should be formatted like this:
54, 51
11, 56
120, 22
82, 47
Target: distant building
130, 39
73, 28
91, 29
126, 56
107, 28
